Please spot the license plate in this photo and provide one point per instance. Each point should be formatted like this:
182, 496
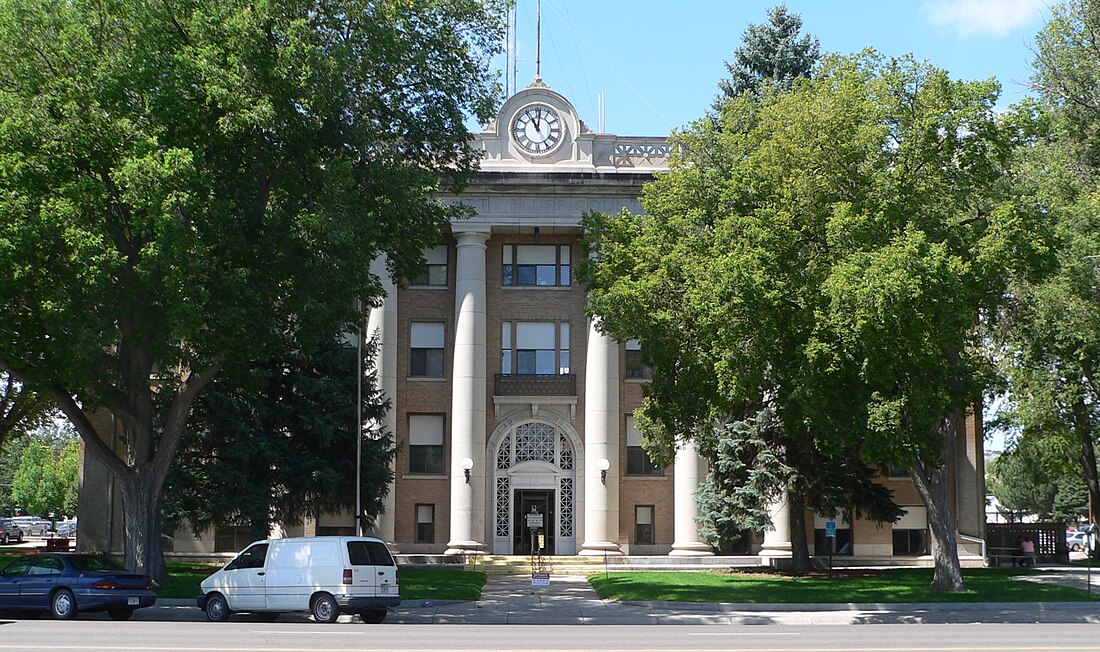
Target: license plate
133, 601
385, 588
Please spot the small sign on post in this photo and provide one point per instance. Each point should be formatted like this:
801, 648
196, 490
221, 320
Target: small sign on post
830, 529
540, 579
534, 520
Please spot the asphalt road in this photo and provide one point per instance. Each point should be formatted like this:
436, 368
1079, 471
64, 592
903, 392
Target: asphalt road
138, 636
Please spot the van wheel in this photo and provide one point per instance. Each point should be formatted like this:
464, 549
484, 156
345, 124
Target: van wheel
373, 616
325, 609
217, 609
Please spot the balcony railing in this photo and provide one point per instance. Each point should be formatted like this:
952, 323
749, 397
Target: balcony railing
535, 385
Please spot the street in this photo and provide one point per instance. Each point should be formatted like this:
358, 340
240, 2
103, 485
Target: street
149, 636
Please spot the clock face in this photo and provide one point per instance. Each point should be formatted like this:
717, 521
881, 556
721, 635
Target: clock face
537, 129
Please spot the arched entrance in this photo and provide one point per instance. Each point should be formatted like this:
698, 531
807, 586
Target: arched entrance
534, 488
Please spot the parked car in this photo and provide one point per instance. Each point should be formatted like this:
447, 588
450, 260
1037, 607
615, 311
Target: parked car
10, 531
65, 583
1079, 539
65, 529
33, 526
321, 575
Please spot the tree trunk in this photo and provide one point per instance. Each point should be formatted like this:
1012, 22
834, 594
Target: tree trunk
932, 484
800, 549
1082, 427
141, 525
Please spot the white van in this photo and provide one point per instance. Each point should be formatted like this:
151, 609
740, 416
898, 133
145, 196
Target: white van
322, 575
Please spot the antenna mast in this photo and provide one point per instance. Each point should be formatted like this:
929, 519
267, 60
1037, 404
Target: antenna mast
538, 39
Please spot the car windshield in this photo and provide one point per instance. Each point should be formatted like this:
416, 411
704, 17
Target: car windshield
93, 563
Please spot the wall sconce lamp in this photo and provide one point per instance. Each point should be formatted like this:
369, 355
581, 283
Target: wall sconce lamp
603, 465
467, 464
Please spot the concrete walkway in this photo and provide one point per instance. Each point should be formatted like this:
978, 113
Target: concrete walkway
570, 600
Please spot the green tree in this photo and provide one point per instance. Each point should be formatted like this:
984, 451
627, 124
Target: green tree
176, 177
772, 53
46, 480
280, 447
1021, 485
1051, 334
829, 251
21, 410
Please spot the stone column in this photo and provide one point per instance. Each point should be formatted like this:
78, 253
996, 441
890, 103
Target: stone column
777, 541
382, 324
688, 469
601, 442
468, 396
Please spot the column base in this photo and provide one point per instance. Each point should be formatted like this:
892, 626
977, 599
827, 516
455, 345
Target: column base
600, 548
781, 549
693, 549
464, 548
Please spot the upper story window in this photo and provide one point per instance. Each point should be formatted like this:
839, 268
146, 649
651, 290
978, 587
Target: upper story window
435, 269
634, 366
426, 349
426, 444
534, 348
539, 265
637, 460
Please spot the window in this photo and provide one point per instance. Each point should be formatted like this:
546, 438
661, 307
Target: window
634, 366
426, 349
897, 471
369, 553
251, 558
637, 461
426, 444
539, 265
231, 538
534, 348
425, 524
643, 524
435, 269
911, 532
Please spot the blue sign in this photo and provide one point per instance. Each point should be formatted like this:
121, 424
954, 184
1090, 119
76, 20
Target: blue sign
830, 529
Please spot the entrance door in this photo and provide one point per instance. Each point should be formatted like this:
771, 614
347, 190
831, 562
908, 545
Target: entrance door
534, 515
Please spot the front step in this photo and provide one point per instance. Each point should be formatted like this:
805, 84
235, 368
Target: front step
574, 564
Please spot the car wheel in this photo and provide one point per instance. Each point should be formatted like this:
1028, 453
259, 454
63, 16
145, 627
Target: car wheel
325, 609
19, 539
1074, 547
4, 539
120, 614
373, 616
217, 609
63, 605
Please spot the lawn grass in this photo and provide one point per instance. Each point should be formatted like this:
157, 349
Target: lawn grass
184, 579
436, 584
846, 586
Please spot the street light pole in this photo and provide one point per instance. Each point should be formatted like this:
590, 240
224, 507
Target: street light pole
359, 419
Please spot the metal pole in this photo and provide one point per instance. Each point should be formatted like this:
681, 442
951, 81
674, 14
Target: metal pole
359, 420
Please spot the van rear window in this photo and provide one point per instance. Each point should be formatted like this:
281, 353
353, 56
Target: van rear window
369, 553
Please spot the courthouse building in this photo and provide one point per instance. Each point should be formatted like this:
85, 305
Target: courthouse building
514, 414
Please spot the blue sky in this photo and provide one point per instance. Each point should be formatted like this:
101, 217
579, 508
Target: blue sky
658, 62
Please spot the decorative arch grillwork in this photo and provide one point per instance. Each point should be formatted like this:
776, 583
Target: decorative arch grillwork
535, 442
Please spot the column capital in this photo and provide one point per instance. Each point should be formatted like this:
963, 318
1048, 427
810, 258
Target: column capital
472, 235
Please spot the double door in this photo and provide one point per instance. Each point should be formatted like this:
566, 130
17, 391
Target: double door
533, 521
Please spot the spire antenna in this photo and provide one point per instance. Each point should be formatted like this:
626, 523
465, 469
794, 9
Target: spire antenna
538, 40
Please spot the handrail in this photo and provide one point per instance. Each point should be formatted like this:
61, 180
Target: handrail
980, 542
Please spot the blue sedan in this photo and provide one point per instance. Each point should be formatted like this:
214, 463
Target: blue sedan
64, 583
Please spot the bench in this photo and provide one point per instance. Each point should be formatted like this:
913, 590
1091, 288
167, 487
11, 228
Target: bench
59, 544
999, 556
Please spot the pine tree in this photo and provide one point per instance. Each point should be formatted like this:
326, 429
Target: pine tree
770, 52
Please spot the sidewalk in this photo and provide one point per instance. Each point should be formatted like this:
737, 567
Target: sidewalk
570, 600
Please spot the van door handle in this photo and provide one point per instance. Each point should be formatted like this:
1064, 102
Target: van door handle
381, 572
260, 573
